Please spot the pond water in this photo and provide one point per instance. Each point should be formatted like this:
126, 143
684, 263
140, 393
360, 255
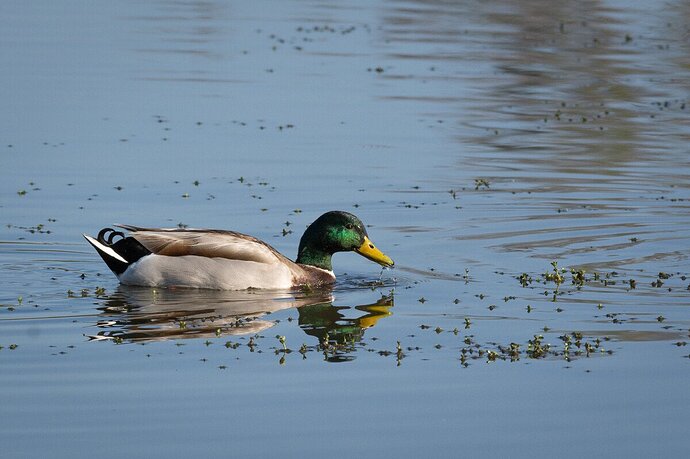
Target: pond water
524, 163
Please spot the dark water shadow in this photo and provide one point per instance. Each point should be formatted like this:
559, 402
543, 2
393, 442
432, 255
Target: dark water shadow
134, 314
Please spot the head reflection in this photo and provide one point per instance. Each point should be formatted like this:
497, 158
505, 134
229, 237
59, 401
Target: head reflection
340, 328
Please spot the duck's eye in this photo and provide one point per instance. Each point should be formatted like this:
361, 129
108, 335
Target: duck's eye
349, 226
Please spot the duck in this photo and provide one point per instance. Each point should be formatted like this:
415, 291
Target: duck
228, 260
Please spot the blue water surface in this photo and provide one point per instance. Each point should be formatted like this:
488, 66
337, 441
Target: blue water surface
490, 147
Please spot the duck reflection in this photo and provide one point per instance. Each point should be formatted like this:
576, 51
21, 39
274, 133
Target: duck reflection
137, 314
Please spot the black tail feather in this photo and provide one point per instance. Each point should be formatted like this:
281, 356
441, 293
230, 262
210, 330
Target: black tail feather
113, 233
128, 248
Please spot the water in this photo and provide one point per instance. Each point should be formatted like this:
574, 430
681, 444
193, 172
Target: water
480, 142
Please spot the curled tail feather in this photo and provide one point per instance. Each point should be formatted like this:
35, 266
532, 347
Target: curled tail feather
117, 255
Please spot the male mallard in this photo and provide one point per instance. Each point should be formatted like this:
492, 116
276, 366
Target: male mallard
226, 260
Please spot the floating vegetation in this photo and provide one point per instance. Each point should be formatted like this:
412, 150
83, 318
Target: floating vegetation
574, 346
525, 279
580, 279
556, 275
481, 183
578, 276
37, 229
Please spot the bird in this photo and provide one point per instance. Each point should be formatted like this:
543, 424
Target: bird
228, 260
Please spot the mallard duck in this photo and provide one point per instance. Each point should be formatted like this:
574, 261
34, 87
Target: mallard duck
227, 260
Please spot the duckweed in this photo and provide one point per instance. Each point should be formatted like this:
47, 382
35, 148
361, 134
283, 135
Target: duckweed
481, 183
281, 339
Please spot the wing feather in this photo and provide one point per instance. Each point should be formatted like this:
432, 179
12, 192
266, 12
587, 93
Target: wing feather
205, 243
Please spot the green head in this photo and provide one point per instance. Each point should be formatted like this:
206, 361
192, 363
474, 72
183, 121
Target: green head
337, 231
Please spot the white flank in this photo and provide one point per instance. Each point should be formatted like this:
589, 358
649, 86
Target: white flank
205, 272
104, 248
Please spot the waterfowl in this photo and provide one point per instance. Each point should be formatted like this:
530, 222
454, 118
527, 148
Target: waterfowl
227, 260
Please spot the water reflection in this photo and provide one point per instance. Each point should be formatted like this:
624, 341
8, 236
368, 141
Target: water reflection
574, 112
136, 314
527, 81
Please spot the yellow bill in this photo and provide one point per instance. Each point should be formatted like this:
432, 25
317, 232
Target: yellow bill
368, 250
